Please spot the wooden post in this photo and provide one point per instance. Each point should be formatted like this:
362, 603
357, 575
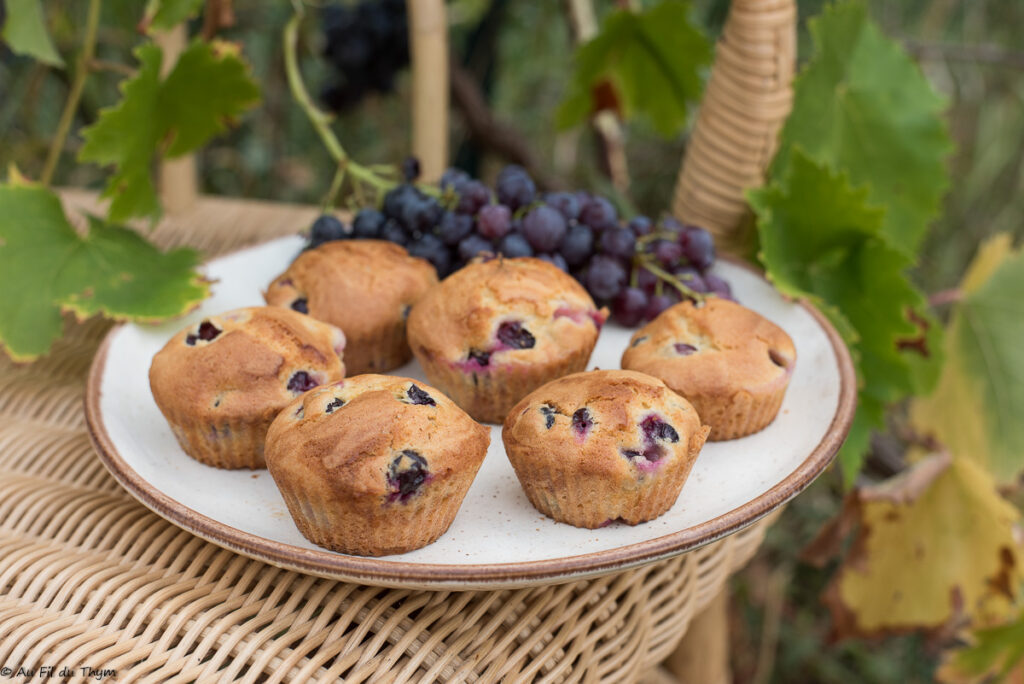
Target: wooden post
702, 657
177, 178
428, 51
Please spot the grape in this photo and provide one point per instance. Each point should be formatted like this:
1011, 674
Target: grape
646, 280
325, 229
410, 169
698, 247
599, 214
668, 253
515, 245
494, 221
431, 248
419, 213
691, 278
641, 225
392, 232
566, 203
618, 242
453, 178
605, 277
544, 228
718, 286
515, 187
671, 225
453, 227
473, 195
556, 259
629, 306
659, 303
396, 199
578, 245
366, 44
367, 223
473, 245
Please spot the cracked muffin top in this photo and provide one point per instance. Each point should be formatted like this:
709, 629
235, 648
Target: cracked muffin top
244, 364
504, 312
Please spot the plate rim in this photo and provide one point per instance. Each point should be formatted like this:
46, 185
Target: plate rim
395, 573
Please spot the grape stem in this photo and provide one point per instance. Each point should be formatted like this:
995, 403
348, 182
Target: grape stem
322, 121
673, 281
67, 116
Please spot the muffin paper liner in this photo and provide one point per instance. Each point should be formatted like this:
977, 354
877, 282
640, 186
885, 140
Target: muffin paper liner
738, 416
592, 502
232, 444
384, 351
371, 526
488, 397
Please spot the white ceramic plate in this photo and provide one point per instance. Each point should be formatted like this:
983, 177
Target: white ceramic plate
497, 539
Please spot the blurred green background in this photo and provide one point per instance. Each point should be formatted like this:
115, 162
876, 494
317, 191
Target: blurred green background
969, 49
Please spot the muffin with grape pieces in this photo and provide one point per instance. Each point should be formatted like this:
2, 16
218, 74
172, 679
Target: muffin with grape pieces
499, 328
222, 381
602, 446
731, 363
374, 464
364, 287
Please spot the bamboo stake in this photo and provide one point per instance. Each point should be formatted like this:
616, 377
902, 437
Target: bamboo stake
583, 23
178, 180
428, 51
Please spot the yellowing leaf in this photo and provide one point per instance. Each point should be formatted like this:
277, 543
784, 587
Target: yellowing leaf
977, 408
208, 86
24, 31
46, 268
640, 63
932, 544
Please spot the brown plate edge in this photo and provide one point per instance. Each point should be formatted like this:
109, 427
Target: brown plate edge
367, 570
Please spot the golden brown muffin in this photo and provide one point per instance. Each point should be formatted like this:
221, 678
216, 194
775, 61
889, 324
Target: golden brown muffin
375, 464
495, 330
222, 381
600, 446
366, 288
730, 362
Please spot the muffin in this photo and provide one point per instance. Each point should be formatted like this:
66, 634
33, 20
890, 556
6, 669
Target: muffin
731, 363
596, 447
364, 287
497, 329
375, 464
221, 382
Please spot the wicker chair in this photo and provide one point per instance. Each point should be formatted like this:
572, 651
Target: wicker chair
89, 577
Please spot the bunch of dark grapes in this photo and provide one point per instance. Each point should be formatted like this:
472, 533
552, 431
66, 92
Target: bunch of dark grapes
367, 44
639, 268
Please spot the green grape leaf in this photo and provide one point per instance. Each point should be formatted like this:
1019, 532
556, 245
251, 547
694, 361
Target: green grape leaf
25, 31
163, 15
46, 267
862, 106
821, 239
209, 85
932, 545
126, 136
994, 654
870, 416
646, 63
984, 368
